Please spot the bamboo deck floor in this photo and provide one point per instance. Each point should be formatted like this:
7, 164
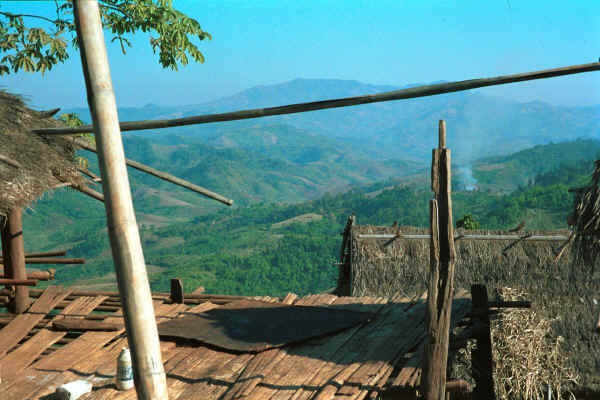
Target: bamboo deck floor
358, 363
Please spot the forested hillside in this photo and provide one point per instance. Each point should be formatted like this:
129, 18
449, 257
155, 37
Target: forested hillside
272, 248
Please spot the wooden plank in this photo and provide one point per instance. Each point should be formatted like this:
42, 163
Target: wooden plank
63, 358
380, 356
260, 365
219, 381
289, 298
281, 378
19, 327
25, 354
97, 359
315, 372
347, 360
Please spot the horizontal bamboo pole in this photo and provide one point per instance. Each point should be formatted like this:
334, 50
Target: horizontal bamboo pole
52, 260
90, 192
72, 324
39, 275
18, 282
410, 93
163, 175
54, 253
552, 238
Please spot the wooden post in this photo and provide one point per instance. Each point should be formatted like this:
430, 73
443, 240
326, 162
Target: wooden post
14, 258
482, 362
132, 278
176, 291
344, 282
441, 279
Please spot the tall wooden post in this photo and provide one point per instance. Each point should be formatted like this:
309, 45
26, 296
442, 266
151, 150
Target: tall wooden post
132, 278
441, 279
13, 253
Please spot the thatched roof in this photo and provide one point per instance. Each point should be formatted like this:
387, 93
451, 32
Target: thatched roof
30, 164
585, 220
382, 267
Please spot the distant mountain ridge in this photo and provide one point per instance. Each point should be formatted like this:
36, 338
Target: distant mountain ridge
478, 125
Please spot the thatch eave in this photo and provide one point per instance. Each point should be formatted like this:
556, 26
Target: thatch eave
31, 164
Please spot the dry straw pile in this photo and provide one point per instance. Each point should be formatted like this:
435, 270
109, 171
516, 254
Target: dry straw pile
528, 360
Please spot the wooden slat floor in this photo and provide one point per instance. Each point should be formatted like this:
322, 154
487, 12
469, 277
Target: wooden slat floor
354, 364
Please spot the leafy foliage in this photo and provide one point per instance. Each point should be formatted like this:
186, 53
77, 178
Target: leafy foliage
467, 222
38, 49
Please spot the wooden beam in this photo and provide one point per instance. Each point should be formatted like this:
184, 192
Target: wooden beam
482, 362
132, 277
162, 175
419, 91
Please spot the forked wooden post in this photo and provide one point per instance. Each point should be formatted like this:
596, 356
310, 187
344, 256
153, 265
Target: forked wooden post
441, 279
132, 278
13, 251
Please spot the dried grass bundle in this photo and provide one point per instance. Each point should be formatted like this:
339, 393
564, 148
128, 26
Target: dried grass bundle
585, 220
528, 361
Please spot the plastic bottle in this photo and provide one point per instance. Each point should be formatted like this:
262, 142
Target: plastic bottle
124, 370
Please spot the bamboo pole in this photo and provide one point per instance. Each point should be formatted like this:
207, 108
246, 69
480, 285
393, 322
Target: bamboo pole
532, 238
142, 334
419, 91
52, 260
162, 175
19, 283
90, 192
54, 253
35, 274
441, 279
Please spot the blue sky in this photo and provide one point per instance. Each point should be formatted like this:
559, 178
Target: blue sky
397, 42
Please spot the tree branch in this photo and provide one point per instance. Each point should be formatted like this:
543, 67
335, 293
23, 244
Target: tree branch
114, 8
6, 14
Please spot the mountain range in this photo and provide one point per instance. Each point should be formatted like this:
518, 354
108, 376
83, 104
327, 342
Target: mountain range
478, 125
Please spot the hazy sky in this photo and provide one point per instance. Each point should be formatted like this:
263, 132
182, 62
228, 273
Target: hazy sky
259, 42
